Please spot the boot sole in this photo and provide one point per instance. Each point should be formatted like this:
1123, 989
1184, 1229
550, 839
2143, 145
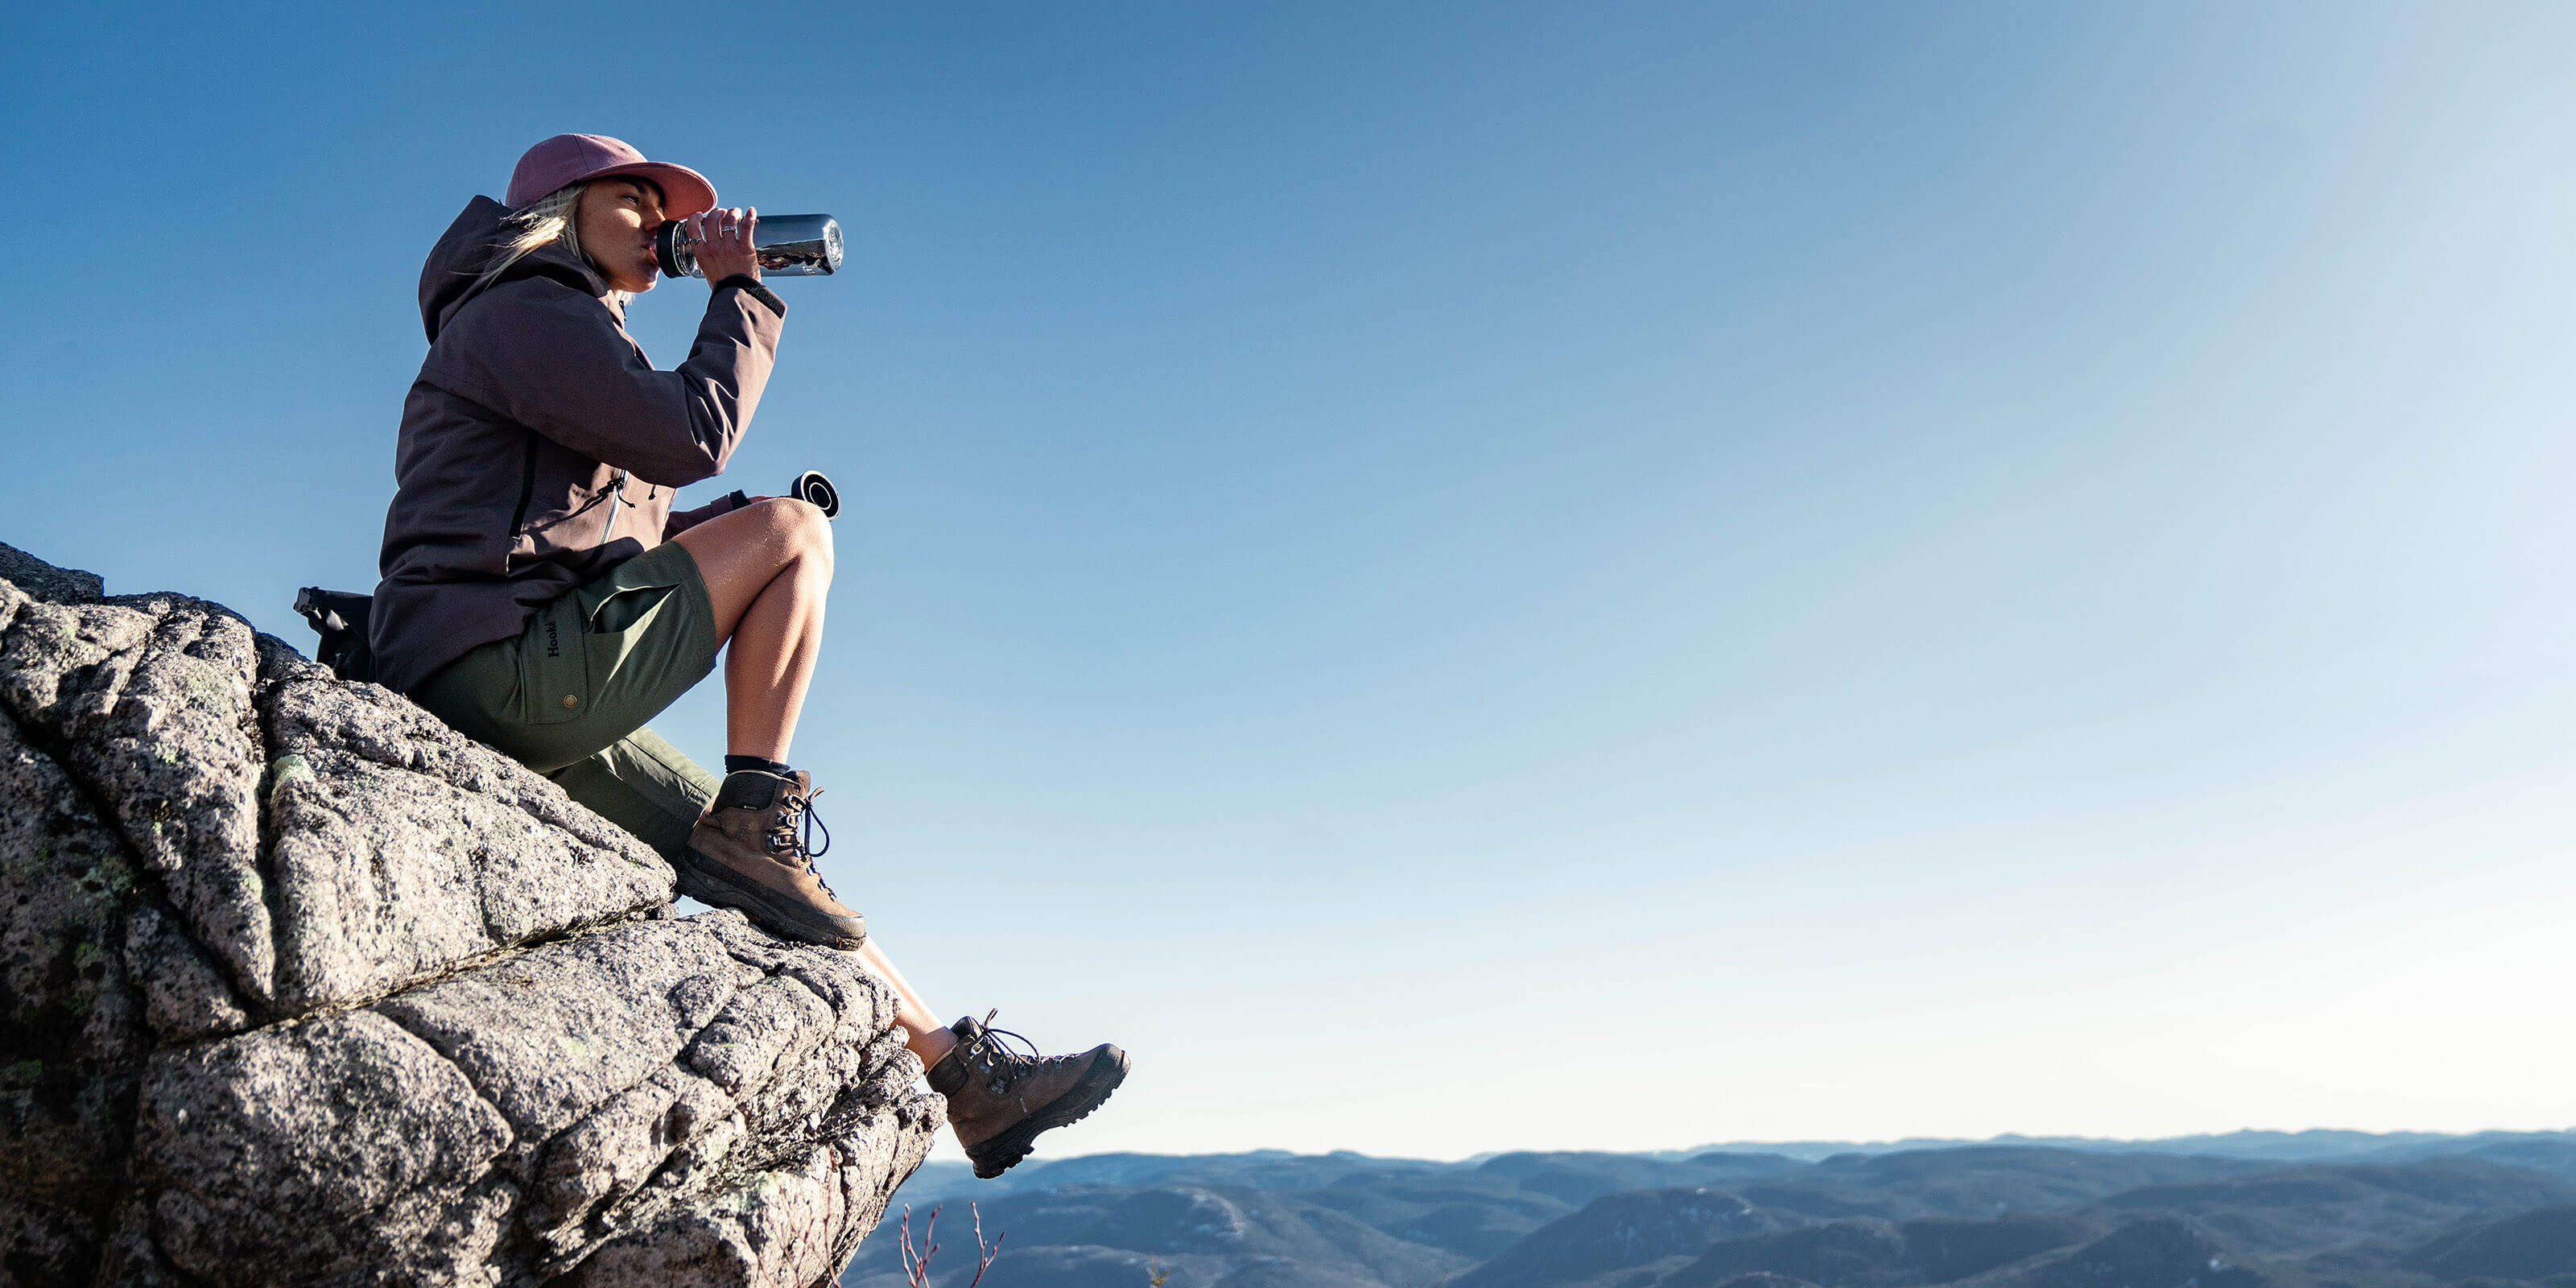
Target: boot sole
998, 1155
710, 883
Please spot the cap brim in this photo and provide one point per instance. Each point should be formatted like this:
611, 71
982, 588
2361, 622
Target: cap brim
685, 192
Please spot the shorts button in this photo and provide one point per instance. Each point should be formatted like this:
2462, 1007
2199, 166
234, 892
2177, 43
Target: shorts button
570, 702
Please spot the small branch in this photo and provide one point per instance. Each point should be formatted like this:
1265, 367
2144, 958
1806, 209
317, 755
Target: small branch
984, 1253
916, 1264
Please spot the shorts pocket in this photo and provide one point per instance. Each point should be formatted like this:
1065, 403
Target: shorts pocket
628, 608
620, 623
554, 664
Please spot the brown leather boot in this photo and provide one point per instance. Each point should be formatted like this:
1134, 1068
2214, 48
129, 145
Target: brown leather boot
748, 852
999, 1100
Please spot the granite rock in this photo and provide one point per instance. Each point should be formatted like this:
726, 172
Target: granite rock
299, 986
44, 581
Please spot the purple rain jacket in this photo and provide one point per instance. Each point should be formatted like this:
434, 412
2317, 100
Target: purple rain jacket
539, 446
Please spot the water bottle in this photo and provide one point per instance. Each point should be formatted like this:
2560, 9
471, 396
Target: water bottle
786, 245
812, 486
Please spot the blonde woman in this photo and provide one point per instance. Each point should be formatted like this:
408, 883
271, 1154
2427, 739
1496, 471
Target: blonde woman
541, 595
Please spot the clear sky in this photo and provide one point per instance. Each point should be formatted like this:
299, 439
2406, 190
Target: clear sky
1477, 576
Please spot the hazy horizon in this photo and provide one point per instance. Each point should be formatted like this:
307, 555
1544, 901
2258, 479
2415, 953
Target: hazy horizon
2397, 1136
1465, 578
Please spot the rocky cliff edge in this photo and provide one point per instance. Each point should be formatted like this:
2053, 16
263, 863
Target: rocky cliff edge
298, 986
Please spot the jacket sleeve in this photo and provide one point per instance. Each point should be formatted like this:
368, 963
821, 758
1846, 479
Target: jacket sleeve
683, 520
553, 359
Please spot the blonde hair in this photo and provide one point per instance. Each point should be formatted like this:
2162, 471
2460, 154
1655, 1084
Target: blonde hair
547, 219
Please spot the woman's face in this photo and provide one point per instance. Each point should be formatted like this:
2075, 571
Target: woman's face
616, 220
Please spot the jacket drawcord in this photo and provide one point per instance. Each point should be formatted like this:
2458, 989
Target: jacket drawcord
616, 493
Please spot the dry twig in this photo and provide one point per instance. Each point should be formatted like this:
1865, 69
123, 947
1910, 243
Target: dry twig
916, 1261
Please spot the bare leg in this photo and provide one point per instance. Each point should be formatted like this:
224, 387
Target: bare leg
767, 568
922, 1030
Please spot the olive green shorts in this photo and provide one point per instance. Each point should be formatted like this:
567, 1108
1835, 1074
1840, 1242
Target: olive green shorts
569, 695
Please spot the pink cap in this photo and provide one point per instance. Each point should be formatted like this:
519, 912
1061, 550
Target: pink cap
571, 158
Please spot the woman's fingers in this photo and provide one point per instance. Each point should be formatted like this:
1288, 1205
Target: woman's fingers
724, 242
718, 228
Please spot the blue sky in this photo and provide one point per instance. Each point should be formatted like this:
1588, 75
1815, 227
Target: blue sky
1463, 577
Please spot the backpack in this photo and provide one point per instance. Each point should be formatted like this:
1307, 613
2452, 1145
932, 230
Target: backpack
340, 618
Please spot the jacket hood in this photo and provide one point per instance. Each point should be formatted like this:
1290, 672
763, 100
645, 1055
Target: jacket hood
452, 276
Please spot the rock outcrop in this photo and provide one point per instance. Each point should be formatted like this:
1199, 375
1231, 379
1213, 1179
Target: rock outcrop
299, 986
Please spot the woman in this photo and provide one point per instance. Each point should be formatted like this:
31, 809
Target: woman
539, 593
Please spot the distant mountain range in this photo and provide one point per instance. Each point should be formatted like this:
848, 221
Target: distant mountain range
2318, 1209
2283, 1146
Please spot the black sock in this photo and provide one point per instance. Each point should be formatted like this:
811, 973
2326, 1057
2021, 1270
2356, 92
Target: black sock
737, 764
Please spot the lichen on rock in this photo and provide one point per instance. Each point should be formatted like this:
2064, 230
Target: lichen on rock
299, 986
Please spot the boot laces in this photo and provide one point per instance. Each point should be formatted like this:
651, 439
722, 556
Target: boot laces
793, 834
988, 1053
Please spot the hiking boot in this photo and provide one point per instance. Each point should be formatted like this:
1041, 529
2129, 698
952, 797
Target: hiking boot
999, 1100
750, 851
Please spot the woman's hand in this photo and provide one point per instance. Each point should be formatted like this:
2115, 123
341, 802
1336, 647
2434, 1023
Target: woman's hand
722, 243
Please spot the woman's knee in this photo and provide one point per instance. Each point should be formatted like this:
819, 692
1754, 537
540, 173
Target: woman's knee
741, 552
791, 526
802, 529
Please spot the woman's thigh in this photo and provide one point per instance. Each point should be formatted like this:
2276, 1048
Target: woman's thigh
740, 553
590, 668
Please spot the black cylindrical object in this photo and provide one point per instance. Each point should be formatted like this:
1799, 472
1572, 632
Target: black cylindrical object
812, 486
785, 245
